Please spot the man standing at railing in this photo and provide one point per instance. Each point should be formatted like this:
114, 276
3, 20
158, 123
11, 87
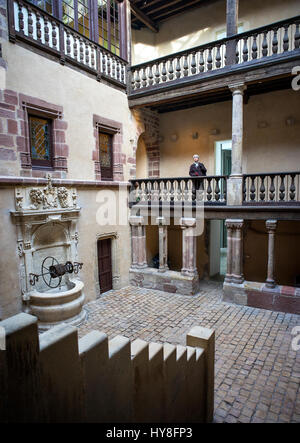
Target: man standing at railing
197, 169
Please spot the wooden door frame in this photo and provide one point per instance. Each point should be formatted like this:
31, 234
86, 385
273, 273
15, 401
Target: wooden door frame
115, 263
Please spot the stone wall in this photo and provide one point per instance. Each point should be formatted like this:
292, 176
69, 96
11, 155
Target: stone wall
56, 378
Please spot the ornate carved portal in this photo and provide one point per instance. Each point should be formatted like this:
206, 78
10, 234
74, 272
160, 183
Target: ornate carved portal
46, 222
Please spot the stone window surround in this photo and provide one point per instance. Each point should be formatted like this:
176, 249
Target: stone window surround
115, 263
116, 130
60, 151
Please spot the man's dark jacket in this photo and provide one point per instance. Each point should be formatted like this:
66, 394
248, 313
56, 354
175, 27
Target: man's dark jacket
197, 171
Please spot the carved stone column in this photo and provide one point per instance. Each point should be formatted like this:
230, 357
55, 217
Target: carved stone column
189, 247
138, 242
271, 226
234, 251
163, 243
235, 181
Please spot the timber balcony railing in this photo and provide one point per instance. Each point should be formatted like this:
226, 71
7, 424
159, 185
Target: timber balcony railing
282, 188
43, 31
274, 42
272, 188
179, 190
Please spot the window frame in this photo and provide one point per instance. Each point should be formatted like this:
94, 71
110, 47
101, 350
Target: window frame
104, 169
41, 164
94, 23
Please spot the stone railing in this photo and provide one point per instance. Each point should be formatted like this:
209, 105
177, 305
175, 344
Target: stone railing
271, 188
271, 42
56, 378
176, 190
33, 25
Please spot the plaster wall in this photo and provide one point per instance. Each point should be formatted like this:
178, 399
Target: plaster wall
272, 148
205, 24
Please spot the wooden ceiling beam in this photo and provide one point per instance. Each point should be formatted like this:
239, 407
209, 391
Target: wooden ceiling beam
178, 9
141, 16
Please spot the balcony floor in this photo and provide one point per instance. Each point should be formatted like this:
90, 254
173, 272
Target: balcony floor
257, 372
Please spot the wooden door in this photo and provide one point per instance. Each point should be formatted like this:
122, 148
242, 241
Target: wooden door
104, 265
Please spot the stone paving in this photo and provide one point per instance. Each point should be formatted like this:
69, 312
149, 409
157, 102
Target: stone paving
257, 374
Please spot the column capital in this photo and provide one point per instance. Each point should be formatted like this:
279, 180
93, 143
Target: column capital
237, 88
271, 225
187, 222
234, 223
135, 220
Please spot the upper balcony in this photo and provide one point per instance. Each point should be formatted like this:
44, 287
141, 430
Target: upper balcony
265, 54
42, 31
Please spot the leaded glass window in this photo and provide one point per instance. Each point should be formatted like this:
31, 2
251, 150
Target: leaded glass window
46, 5
68, 13
105, 154
108, 25
83, 17
40, 141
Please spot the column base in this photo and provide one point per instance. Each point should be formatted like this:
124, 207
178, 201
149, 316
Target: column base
168, 281
234, 293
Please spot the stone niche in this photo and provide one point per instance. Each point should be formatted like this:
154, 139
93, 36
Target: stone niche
46, 222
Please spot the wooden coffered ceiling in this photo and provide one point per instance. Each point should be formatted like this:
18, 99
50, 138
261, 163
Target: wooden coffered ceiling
151, 12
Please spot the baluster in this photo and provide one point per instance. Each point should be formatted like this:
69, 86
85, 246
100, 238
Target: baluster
81, 50
165, 190
157, 74
38, 27
172, 193
254, 47
185, 66
272, 188
209, 60
113, 67
297, 36
286, 38
54, 34
265, 45
275, 42
245, 50
30, 23
149, 190
137, 80
252, 189
244, 189
21, 18
123, 80
193, 63
46, 30
150, 76
144, 78
75, 50
292, 187
103, 62
87, 54
93, 49
164, 72
201, 61
179, 190
217, 189
282, 187
108, 65
209, 189
237, 54
262, 188
118, 70
225, 188
171, 70
218, 57
186, 190
178, 68
68, 43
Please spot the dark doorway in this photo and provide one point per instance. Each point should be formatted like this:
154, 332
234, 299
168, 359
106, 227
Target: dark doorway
104, 265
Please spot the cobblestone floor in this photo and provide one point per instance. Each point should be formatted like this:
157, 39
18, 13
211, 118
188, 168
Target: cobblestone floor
257, 373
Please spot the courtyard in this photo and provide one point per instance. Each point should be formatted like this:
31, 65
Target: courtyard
257, 373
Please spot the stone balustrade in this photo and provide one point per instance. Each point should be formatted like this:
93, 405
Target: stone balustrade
56, 378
